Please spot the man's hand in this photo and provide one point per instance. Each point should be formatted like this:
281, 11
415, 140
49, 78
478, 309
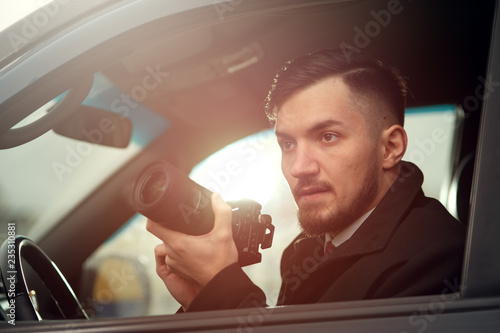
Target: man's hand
187, 263
183, 290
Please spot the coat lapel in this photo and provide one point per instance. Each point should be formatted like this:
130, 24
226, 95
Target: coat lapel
377, 230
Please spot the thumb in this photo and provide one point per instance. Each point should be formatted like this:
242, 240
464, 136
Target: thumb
222, 211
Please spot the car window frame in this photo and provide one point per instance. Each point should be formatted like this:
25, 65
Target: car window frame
481, 273
480, 287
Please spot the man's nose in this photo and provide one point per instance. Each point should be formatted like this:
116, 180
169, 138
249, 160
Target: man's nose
304, 164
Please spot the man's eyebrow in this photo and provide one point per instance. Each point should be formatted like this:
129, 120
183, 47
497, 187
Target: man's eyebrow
324, 124
314, 127
281, 134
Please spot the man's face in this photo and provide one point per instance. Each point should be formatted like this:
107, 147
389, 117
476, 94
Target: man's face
330, 158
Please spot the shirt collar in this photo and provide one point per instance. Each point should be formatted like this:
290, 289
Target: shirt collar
347, 233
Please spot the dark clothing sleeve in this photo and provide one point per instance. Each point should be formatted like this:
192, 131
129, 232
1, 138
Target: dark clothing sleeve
231, 288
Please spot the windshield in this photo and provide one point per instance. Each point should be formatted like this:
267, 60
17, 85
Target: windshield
44, 179
26, 23
11, 12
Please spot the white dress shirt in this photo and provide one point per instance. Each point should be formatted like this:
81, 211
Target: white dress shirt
347, 233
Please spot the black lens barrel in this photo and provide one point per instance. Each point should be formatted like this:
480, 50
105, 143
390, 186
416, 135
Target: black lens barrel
167, 196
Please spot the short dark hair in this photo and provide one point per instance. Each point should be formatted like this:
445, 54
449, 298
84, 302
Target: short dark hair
363, 74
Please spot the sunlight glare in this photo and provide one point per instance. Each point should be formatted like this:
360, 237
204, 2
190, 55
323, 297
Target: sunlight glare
245, 169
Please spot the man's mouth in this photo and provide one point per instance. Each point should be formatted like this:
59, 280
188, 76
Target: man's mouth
310, 193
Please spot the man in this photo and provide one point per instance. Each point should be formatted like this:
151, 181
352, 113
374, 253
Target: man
339, 124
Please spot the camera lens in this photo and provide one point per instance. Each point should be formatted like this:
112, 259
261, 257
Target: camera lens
154, 187
167, 196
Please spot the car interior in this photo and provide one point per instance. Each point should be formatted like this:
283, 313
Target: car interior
189, 89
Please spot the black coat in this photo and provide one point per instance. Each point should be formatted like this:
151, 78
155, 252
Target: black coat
409, 245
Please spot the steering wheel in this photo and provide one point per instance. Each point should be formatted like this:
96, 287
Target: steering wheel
15, 253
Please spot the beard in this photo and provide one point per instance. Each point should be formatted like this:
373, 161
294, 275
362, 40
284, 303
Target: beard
333, 217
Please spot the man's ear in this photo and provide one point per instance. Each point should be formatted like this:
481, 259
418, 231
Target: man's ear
395, 141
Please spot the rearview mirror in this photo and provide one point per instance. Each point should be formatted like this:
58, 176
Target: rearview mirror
97, 126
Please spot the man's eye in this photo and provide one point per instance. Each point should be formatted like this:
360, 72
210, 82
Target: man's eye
329, 137
286, 145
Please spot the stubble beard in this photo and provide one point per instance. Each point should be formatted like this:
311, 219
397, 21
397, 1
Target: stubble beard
333, 217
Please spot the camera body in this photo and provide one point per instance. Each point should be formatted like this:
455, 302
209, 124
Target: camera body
167, 196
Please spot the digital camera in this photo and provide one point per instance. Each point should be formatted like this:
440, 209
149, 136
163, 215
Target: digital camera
167, 196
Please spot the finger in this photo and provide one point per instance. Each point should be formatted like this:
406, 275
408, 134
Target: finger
160, 251
165, 265
174, 243
222, 211
172, 252
160, 257
164, 234
173, 267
